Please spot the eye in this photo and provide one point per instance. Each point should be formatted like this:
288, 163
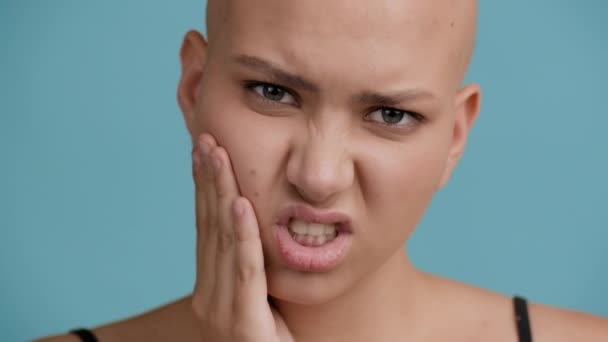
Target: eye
394, 117
273, 93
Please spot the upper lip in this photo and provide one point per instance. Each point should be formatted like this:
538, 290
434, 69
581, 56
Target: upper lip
309, 214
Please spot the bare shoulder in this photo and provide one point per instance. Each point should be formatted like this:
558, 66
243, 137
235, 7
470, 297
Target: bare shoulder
62, 338
552, 324
484, 315
170, 322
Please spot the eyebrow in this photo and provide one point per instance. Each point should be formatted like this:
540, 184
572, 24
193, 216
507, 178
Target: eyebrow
392, 99
276, 73
365, 97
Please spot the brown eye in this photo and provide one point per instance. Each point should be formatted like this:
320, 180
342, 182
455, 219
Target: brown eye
273, 93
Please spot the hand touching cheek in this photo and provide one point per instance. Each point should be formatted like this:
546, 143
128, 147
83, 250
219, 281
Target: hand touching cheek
230, 294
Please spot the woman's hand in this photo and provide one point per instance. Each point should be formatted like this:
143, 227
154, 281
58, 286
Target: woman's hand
230, 295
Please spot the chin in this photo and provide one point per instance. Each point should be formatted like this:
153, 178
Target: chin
304, 288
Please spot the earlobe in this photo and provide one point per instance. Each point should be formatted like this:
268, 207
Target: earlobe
192, 57
466, 110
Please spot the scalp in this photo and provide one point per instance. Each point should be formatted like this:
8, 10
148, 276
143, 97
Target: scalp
456, 18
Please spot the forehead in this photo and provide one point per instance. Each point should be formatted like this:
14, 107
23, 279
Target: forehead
393, 40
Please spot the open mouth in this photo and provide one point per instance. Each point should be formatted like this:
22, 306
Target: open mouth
312, 234
313, 241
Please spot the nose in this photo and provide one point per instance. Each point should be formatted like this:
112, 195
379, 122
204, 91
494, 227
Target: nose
320, 168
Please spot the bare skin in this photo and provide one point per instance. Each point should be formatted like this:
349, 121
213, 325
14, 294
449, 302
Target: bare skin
289, 98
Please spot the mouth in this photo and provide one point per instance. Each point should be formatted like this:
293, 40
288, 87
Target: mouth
304, 215
313, 240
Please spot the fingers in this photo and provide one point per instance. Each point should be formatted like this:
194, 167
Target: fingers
225, 180
250, 300
230, 298
205, 187
226, 191
205, 204
216, 189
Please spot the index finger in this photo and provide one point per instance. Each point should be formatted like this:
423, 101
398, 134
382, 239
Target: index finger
205, 193
250, 302
205, 212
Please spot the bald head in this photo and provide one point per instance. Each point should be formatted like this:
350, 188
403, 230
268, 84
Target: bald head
455, 19
216, 13
357, 103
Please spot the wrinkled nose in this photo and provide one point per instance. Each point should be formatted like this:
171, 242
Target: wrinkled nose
320, 169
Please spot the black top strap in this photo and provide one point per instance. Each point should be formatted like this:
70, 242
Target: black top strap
85, 335
522, 320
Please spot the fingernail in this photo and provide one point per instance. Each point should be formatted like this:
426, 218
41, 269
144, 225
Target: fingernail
205, 149
238, 208
196, 159
217, 163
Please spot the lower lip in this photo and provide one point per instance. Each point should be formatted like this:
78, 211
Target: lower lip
312, 259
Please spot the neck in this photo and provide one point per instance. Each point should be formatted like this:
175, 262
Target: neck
383, 303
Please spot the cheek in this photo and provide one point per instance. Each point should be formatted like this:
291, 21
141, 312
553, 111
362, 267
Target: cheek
401, 188
256, 156
255, 143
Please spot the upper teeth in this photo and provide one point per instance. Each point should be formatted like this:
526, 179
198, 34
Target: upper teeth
316, 229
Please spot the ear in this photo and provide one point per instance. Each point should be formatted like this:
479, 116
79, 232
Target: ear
193, 54
466, 109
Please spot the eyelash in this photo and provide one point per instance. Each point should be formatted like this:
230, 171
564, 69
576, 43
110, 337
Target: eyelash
251, 85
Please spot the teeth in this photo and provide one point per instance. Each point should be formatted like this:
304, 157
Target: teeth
309, 240
312, 229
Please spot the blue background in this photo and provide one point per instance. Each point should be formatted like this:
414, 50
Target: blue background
96, 209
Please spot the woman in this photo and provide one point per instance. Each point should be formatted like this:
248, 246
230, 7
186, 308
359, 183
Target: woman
320, 134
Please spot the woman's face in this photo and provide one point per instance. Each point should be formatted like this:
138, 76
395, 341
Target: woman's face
344, 106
